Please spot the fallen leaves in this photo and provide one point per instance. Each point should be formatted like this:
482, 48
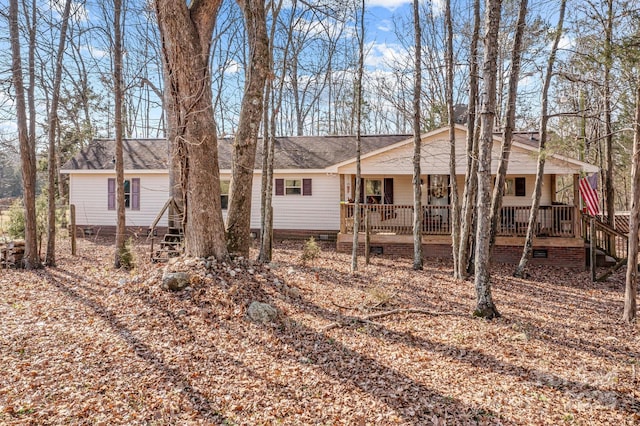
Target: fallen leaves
82, 343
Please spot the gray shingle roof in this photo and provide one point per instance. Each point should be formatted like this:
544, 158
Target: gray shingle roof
297, 152
139, 154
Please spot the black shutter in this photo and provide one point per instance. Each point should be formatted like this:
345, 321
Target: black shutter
306, 186
279, 186
521, 188
388, 190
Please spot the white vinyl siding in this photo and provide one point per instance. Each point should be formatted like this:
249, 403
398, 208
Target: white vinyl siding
435, 159
89, 194
319, 211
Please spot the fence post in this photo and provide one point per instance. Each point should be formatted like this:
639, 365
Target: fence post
367, 236
592, 239
72, 213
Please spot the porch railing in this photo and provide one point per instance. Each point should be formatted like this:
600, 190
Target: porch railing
553, 221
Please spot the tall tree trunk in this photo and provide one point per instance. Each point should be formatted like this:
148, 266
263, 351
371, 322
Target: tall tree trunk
358, 118
471, 176
544, 118
609, 194
417, 141
186, 32
246, 140
271, 109
31, 259
510, 119
484, 302
50, 260
631, 283
118, 100
455, 202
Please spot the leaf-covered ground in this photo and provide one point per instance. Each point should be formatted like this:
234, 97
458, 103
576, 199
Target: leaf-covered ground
84, 344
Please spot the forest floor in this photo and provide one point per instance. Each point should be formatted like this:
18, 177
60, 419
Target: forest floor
85, 344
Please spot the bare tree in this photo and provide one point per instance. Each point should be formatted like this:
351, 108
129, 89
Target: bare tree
271, 108
509, 124
118, 99
358, 111
484, 304
50, 260
631, 282
31, 259
471, 176
245, 142
417, 141
544, 118
455, 203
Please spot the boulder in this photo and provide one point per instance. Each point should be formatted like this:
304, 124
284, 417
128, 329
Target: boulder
262, 312
175, 281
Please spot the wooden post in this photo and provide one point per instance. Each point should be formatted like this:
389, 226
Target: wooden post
592, 239
72, 213
576, 206
553, 185
343, 217
367, 236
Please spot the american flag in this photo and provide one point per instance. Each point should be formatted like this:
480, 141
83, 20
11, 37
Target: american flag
588, 190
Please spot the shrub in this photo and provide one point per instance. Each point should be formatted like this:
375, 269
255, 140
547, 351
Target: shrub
15, 227
16, 224
310, 251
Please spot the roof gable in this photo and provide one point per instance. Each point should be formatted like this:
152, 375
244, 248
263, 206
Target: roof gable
435, 153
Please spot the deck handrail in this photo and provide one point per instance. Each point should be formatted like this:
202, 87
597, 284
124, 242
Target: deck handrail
553, 221
170, 201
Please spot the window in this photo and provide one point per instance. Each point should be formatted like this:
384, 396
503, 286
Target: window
373, 191
520, 187
224, 194
127, 194
131, 194
293, 187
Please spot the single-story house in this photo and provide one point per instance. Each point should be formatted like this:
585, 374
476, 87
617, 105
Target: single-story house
314, 187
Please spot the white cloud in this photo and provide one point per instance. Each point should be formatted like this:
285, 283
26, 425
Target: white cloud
231, 67
385, 25
387, 4
95, 52
382, 55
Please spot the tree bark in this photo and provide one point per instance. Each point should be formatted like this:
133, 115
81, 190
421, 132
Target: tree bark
358, 118
31, 259
471, 177
271, 109
544, 118
510, 119
455, 202
186, 32
50, 260
608, 64
417, 141
246, 140
631, 282
118, 125
485, 307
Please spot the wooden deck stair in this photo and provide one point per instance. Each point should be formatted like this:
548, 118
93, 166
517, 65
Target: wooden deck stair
608, 247
171, 244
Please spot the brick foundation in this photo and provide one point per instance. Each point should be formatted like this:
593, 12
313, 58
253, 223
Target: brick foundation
567, 253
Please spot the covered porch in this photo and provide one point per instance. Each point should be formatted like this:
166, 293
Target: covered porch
553, 221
